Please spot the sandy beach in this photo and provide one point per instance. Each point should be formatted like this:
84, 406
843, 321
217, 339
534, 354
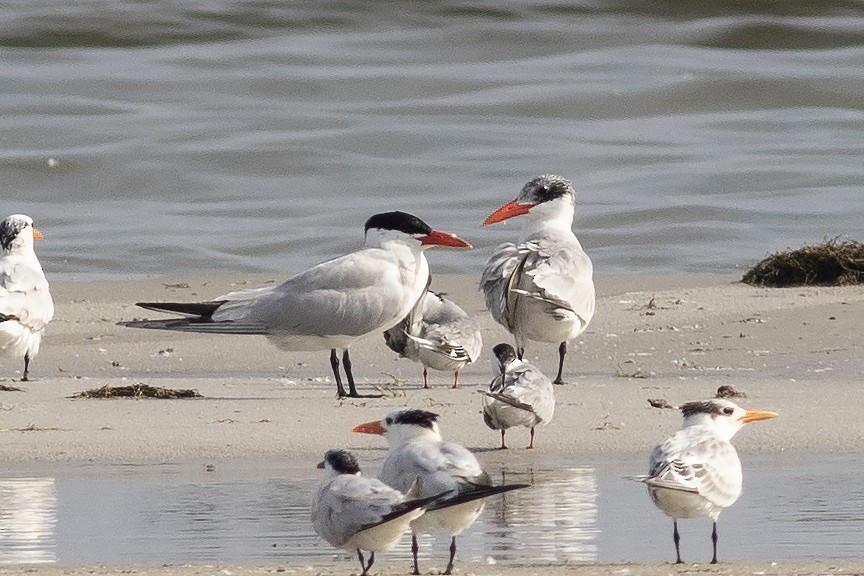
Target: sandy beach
795, 351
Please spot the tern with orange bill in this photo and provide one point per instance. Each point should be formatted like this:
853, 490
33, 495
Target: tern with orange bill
697, 473
417, 450
331, 305
26, 306
542, 287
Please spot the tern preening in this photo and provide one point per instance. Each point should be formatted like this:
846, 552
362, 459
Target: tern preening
697, 472
26, 306
418, 451
542, 288
354, 512
331, 305
519, 395
438, 334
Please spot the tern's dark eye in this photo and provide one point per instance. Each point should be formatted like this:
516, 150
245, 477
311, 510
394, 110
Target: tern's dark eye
728, 410
388, 421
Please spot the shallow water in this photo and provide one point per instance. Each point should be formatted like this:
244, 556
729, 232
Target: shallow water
258, 514
251, 135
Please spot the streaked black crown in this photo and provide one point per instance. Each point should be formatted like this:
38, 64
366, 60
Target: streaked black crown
547, 187
9, 230
414, 416
342, 461
706, 407
505, 353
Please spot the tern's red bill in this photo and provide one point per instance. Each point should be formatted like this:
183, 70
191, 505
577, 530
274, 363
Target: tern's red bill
437, 238
370, 428
507, 211
37, 235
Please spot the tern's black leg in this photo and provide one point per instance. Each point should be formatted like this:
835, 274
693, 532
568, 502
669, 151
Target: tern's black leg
346, 364
425, 378
24, 377
362, 562
531, 444
449, 569
520, 351
456, 379
352, 389
677, 538
562, 351
334, 363
414, 548
714, 540
503, 445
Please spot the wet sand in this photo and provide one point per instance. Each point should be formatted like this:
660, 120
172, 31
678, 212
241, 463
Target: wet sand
678, 338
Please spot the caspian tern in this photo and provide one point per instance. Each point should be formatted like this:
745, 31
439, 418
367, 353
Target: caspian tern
520, 394
418, 451
355, 512
542, 288
697, 472
26, 306
330, 305
438, 334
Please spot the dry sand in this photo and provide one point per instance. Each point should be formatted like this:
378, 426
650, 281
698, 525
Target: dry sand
796, 351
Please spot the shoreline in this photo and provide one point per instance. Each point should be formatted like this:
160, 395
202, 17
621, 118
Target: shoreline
673, 338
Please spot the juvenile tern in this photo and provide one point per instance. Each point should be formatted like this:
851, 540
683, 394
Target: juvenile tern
438, 334
26, 306
542, 288
519, 395
416, 450
354, 512
331, 305
697, 472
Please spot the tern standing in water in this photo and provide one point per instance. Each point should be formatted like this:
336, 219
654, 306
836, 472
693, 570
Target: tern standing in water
418, 451
354, 512
542, 288
697, 472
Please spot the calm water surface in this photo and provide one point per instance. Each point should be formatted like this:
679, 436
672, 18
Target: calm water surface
252, 135
791, 509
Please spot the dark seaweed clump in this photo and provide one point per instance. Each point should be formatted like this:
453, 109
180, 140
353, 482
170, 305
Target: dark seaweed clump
831, 263
137, 391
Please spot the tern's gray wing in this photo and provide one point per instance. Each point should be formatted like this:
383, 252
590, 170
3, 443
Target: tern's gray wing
448, 330
562, 275
702, 464
497, 281
398, 337
346, 504
531, 387
351, 295
441, 466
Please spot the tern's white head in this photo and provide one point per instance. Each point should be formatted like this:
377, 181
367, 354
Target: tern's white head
547, 200
17, 234
725, 418
388, 227
339, 461
403, 425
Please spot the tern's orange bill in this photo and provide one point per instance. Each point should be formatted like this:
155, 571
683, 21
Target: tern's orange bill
370, 428
756, 415
436, 238
37, 235
507, 211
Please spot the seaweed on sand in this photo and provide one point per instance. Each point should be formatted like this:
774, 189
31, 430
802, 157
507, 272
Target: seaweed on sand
136, 391
832, 263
